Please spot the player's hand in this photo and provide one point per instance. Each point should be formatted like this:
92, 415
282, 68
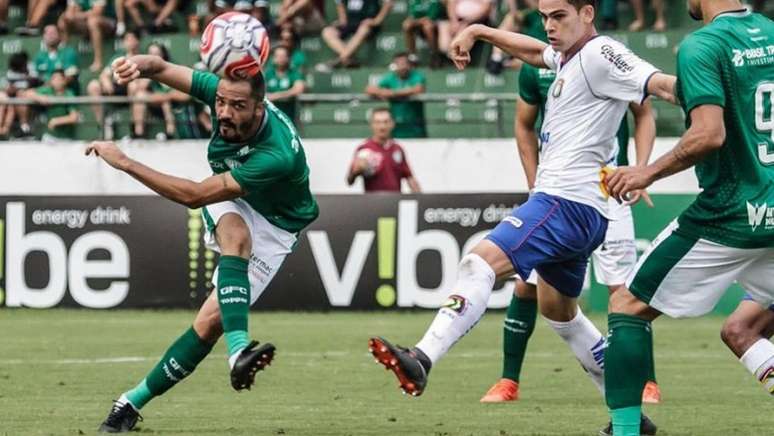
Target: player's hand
638, 195
109, 152
626, 180
459, 50
124, 70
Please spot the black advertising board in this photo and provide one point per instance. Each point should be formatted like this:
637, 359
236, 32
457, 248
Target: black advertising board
378, 251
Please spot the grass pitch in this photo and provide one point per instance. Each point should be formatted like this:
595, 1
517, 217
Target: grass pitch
60, 369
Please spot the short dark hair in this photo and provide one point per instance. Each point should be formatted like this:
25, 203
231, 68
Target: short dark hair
377, 110
400, 54
17, 62
578, 4
258, 87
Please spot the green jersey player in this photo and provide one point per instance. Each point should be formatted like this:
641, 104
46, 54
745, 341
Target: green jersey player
253, 206
726, 87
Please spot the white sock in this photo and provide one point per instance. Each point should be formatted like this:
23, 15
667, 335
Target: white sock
588, 344
759, 360
462, 310
232, 358
123, 400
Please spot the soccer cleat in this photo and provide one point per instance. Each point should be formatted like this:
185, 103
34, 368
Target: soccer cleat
504, 390
249, 362
651, 394
122, 419
411, 366
647, 428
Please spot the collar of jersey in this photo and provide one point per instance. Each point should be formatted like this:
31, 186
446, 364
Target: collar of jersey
733, 14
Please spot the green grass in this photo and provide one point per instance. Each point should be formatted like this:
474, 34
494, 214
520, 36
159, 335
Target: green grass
324, 382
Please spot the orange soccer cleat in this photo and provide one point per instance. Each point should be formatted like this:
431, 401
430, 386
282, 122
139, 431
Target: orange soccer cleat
502, 391
651, 394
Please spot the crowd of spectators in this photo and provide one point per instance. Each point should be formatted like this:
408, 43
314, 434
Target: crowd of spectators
54, 69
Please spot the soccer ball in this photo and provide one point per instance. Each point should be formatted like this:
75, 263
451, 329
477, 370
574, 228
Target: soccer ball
372, 159
235, 45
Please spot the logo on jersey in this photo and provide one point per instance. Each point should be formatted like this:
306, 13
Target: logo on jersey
753, 56
456, 303
558, 86
617, 59
232, 163
515, 222
760, 215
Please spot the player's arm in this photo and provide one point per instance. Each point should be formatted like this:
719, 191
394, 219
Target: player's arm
155, 68
526, 48
644, 138
192, 194
706, 134
413, 185
526, 138
663, 86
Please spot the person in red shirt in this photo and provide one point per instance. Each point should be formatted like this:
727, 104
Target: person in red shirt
380, 160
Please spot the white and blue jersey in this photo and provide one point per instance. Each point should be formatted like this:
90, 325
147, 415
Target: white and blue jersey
566, 218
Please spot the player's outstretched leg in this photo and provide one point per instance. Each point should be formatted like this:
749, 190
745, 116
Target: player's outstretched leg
245, 360
458, 315
746, 332
517, 328
178, 362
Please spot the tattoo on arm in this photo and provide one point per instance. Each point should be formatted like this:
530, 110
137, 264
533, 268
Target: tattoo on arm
223, 179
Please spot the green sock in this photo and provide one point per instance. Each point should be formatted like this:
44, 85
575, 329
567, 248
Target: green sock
626, 421
627, 355
517, 328
651, 358
234, 301
178, 362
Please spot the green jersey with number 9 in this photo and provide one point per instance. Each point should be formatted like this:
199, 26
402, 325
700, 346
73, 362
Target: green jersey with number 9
730, 63
271, 166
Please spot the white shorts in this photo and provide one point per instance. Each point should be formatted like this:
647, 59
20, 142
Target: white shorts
614, 260
685, 277
271, 244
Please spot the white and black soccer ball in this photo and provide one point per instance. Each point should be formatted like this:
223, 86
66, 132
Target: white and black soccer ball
235, 45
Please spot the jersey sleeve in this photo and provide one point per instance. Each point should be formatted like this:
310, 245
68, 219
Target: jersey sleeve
385, 82
70, 61
698, 74
613, 71
261, 170
529, 89
551, 58
204, 86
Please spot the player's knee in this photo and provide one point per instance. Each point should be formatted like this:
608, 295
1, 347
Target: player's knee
475, 277
233, 236
525, 290
735, 333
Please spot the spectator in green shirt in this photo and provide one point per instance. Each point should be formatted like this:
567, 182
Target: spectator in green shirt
62, 117
88, 17
55, 55
283, 83
422, 19
289, 40
397, 87
357, 21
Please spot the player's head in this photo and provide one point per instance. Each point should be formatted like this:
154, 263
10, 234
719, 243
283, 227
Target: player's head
402, 64
567, 21
281, 58
51, 36
131, 41
381, 124
239, 107
58, 81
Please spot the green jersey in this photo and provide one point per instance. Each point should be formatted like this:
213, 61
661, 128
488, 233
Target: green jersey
534, 84
58, 110
270, 167
432, 9
64, 58
276, 82
409, 115
730, 63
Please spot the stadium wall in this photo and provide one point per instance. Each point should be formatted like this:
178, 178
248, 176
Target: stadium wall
67, 239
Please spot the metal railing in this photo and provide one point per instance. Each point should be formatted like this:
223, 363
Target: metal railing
491, 114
